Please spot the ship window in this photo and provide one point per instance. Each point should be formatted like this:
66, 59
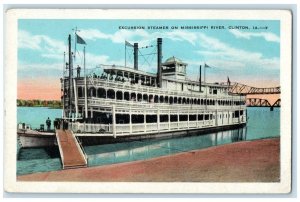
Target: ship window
119, 95
201, 102
182, 87
173, 118
220, 116
192, 117
195, 101
126, 96
166, 99
188, 101
151, 118
92, 92
179, 100
139, 97
236, 114
241, 112
215, 91
151, 98
133, 96
145, 97
161, 99
198, 102
122, 118
80, 94
171, 100
111, 94
200, 117
175, 100
101, 93
210, 116
183, 101
183, 117
164, 118
206, 117
156, 99
137, 118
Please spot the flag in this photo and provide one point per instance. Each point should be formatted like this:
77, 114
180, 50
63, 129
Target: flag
128, 44
206, 66
80, 40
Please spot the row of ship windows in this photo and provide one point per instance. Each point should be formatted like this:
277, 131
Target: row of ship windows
119, 95
124, 118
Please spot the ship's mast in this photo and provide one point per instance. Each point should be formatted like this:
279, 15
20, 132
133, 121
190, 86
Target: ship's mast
70, 76
85, 86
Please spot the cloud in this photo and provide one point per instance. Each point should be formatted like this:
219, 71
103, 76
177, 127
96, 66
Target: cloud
215, 50
268, 36
50, 48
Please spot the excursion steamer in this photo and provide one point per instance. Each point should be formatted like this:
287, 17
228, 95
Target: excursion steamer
125, 104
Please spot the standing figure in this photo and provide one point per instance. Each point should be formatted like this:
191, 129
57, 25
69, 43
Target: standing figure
78, 71
48, 123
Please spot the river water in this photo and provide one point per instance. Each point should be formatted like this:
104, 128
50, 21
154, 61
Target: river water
262, 123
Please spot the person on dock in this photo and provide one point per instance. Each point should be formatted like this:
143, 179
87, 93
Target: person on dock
48, 123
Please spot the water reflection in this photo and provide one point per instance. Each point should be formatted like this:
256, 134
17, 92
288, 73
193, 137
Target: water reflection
141, 150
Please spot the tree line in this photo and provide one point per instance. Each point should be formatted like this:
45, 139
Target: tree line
39, 103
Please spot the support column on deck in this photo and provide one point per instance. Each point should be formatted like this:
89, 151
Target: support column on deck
114, 120
158, 119
177, 119
197, 112
169, 118
130, 121
188, 118
145, 128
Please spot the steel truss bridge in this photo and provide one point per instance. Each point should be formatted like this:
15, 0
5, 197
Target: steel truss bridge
261, 99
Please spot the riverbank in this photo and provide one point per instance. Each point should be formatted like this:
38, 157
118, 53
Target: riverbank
248, 161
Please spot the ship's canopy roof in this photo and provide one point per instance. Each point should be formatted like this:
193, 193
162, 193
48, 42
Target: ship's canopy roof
125, 71
173, 60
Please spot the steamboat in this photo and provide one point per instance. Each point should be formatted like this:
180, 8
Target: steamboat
126, 104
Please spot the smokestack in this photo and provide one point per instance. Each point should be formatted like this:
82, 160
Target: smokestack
159, 57
135, 54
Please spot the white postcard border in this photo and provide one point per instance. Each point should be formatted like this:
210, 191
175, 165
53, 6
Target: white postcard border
10, 96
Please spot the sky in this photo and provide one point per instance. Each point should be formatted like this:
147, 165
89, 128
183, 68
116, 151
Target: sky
246, 51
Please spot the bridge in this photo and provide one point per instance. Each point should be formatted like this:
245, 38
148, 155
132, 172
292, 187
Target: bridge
258, 97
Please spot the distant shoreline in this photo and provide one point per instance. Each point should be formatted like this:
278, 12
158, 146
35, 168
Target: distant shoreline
54, 104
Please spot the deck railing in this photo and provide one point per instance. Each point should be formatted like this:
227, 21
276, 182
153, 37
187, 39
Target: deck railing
116, 85
127, 129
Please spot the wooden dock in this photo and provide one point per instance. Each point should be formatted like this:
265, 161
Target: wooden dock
71, 153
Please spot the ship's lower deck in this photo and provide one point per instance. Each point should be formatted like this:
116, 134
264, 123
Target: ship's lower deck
87, 139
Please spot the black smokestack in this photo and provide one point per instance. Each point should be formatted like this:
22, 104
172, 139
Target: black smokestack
136, 57
159, 57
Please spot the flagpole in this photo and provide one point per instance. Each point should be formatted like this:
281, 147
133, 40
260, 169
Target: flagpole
75, 40
200, 81
204, 74
125, 53
85, 85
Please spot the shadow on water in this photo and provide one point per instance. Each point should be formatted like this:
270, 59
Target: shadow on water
261, 124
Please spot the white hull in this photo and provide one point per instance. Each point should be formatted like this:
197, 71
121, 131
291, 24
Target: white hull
33, 138
42, 140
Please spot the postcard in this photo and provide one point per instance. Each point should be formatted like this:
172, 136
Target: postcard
148, 101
